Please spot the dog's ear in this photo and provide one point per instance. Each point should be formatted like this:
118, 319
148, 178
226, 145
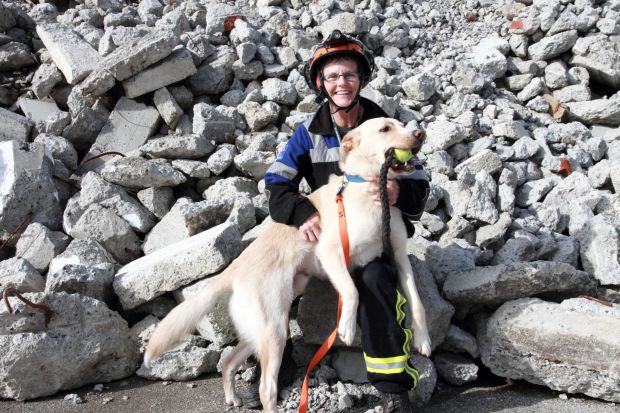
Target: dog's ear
350, 141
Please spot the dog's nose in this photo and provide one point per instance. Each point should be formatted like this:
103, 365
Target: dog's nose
419, 134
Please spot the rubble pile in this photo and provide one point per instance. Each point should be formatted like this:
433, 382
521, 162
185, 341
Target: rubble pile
135, 136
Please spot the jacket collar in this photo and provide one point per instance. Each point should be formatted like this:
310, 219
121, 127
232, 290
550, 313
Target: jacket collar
321, 123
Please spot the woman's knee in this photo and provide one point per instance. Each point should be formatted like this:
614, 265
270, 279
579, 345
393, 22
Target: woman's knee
377, 274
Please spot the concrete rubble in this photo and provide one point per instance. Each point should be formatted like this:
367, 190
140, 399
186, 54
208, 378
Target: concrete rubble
135, 137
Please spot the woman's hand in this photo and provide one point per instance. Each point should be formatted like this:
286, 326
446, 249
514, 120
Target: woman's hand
311, 229
393, 190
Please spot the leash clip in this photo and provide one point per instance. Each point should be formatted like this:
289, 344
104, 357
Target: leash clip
342, 186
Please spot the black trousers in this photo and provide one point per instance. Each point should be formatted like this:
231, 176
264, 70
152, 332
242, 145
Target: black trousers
385, 340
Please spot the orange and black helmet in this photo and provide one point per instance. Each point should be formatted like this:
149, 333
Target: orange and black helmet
338, 44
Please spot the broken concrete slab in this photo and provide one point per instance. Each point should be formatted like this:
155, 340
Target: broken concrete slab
84, 128
15, 56
213, 122
85, 267
193, 358
87, 281
27, 190
91, 335
601, 56
455, 368
96, 190
460, 341
19, 274
44, 79
569, 348
60, 148
599, 239
73, 56
597, 111
157, 200
188, 218
37, 110
552, 46
167, 106
14, 126
111, 231
129, 126
136, 56
175, 67
177, 265
191, 146
497, 284
38, 245
137, 172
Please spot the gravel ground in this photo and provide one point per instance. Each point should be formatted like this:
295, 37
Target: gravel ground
205, 395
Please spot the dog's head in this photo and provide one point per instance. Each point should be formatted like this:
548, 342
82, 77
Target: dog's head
364, 149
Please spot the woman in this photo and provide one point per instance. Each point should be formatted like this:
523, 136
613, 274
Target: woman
338, 70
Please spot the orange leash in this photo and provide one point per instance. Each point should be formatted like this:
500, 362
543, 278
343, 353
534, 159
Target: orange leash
322, 351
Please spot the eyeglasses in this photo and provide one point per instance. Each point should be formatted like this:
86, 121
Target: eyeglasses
348, 77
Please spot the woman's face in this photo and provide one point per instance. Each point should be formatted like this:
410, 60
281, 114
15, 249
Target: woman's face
342, 81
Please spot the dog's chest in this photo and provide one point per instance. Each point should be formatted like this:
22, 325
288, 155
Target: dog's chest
365, 235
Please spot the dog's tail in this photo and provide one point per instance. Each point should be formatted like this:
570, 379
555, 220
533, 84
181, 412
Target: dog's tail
184, 318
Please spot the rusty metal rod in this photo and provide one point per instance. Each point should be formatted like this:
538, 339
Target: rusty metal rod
47, 312
92, 158
16, 230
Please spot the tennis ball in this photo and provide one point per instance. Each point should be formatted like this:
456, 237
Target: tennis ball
402, 155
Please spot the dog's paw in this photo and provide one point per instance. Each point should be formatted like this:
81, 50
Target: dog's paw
422, 344
346, 331
233, 400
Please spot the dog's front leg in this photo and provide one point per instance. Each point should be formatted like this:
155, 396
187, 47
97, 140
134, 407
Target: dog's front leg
421, 338
333, 264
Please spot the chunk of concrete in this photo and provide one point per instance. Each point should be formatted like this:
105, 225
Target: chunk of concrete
129, 126
14, 126
136, 56
567, 347
37, 110
552, 46
599, 239
27, 190
177, 265
82, 333
38, 245
73, 56
19, 274
110, 230
601, 56
136, 172
168, 108
85, 268
597, 111
455, 369
175, 67
97, 190
497, 284
193, 358
191, 146
15, 56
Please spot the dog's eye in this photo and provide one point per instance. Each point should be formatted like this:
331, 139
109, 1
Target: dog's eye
384, 129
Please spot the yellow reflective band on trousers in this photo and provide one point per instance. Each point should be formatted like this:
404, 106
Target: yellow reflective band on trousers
386, 365
400, 318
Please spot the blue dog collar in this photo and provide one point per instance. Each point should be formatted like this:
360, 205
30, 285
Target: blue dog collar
356, 179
